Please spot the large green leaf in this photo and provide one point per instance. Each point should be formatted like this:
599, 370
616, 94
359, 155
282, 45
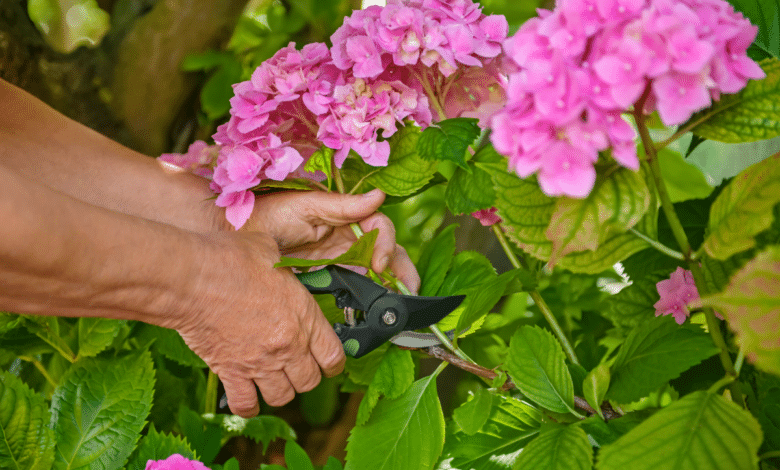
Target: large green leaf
406, 170
750, 304
473, 414
448, 140
683, 180
702, 431
469, 268
537, 366
435, 260
392, 379
615, 204
744, 209
655, 352
482, 298
557, 448
359, 254
766, 15
471, 191
26, 442
295, 457
526, 211
96, 334
746, 116
362, 371
159, 446
402, 434
510, 426
99, 410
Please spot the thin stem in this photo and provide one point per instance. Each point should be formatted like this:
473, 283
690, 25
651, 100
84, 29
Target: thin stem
211, 393
682, 240
720, 383
769, 455
357, 185
41, 369
658, 245
537, 297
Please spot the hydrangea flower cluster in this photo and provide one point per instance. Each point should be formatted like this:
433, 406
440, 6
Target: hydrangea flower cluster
352, 97
175, 462
676, 293
580, 66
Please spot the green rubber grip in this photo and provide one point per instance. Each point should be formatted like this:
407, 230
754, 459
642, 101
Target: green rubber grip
351, 347
319, 279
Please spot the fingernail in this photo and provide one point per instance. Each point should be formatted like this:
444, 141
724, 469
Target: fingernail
373, 193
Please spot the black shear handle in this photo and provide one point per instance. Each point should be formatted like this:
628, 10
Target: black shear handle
348, 287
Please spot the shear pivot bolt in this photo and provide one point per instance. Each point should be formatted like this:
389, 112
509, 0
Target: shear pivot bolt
389, 317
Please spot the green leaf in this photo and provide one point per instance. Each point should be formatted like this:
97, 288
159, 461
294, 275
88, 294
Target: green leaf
448, 140
526, 211
510, 426
321, 160
406, 170
26, 442
332, 464
205, 438
750, 304
159, 446
482, 298
68, 24
362, 370
471, 191
232, 464
205, 60
406, 433
469, 269
295, 457
654, 353
634, 304
702, 431
48, 329
473, 414
616, 247
99, 410
595, 387
683, 180
606, 432
557, 448
765, 15
262, 429
435, 260
218, 89
392, 379
744, 209
170, 344
746, 116
537, 366
359, 254
615, 204
96, 334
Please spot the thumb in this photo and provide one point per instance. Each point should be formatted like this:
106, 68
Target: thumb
340, 209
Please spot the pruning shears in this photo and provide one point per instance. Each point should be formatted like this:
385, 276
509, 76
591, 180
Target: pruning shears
387, 316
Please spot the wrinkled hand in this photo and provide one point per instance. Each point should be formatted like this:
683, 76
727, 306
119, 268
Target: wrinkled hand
315, 225
256, 324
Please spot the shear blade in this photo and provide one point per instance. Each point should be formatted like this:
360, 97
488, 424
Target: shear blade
412, 339
426, 311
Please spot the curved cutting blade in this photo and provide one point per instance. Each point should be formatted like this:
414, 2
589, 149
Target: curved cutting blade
413, 339
425, 311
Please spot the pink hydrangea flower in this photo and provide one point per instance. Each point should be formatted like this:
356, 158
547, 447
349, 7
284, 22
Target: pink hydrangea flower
676, 293
575, 70
199, 159
487, 217
175, 462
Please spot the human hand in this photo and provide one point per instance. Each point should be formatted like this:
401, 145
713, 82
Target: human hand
315, 225
256, 324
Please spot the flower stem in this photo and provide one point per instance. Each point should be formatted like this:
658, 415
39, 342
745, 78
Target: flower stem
658, 245
682, 240
537, 297
211, 393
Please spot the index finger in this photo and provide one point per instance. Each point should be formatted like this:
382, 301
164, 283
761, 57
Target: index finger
326, 347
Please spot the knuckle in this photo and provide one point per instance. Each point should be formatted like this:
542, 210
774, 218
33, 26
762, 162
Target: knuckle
281, 399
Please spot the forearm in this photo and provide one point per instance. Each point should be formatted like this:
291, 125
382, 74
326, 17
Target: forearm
45, 146
61, 256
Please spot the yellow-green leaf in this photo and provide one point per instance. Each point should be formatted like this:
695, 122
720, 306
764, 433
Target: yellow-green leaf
702, 431
68, 24
595, 386
751, 304
359, 254
750, 115
557, 448
743, 209
26, 441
